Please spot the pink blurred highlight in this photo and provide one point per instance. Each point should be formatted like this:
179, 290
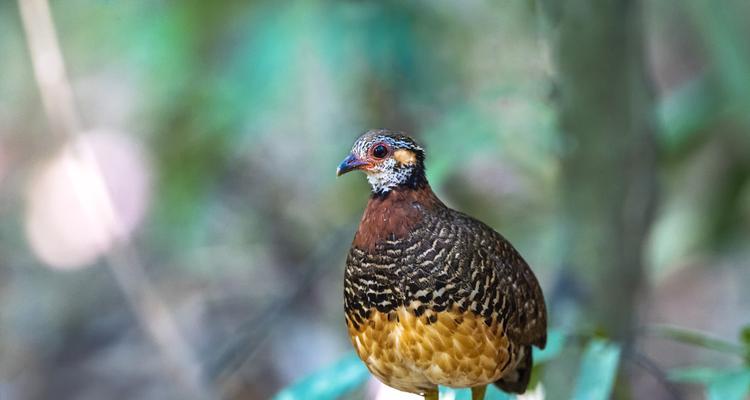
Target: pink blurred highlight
91, 195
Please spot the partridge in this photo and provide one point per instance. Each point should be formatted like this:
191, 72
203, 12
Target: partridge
433, 296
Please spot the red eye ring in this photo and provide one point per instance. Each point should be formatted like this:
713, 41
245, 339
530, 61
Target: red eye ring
380, 150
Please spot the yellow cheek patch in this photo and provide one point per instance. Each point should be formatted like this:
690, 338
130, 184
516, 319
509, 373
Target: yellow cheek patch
405, 157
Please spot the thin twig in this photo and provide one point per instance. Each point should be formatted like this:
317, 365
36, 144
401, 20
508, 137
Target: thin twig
695, 338
647, 364
57, 97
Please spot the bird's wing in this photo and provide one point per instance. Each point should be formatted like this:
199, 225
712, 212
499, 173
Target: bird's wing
508, 286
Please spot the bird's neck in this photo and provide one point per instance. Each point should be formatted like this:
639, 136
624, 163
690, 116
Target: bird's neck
391, 216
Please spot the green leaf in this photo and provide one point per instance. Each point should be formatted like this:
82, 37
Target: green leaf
686, 110
455, 394
555, 345
493, 393
745, 336
598, 371
696, 338
329, 383
733, 385
720, 385
702, 375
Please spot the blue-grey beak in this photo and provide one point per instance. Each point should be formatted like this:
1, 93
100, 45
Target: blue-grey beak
350, 163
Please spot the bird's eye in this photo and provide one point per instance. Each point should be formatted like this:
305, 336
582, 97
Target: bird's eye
379, 151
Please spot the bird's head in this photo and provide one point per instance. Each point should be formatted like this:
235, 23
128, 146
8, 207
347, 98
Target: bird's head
389, 159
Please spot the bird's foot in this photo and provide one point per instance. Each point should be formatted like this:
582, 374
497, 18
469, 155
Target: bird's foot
434, 395
477, 392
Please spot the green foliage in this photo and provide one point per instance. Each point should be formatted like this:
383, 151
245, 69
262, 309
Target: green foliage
598, 370
745, 336
723, 32
686, 112
697, 338
555, 344
721, 384
493, 393
329, 383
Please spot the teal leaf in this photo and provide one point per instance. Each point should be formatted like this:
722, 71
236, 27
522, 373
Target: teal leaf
720, 385
598, 370
456, 394
732, 385
685, 111
555, 345
493, 393
329, 383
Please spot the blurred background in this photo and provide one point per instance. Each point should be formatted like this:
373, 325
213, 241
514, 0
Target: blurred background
171, 225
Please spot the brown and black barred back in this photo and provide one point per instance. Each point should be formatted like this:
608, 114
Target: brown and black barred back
414, 258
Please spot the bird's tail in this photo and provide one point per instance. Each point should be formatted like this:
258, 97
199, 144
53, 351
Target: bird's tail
517, 380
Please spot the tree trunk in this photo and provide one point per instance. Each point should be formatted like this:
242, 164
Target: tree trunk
608, 184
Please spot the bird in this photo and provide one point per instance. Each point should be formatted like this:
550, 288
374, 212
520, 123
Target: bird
432, 296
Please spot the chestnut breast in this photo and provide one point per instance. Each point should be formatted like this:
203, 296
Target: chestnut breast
393, 216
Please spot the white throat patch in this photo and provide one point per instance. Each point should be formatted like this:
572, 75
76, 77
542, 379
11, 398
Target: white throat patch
388, 175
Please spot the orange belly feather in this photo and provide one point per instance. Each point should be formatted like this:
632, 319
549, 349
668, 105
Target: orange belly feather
415, 354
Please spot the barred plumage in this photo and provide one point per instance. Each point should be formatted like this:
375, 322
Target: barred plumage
433, 296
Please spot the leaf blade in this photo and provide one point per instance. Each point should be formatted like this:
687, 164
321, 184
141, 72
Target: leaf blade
329, 383
598, 371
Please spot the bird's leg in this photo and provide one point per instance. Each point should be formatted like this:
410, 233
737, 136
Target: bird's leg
477, 392
432, 395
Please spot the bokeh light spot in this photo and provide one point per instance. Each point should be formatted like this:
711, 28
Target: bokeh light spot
90, 195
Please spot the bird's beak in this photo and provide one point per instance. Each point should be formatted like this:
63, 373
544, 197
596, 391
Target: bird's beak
350, 163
